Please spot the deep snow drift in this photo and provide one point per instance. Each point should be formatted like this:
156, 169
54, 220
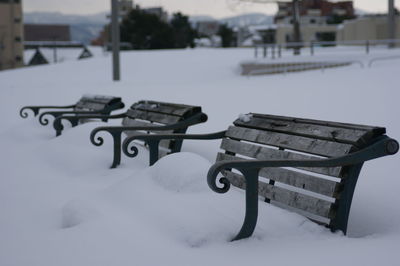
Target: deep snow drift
60, 204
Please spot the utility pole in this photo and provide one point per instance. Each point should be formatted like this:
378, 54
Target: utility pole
296, 27
115, 39
391, 23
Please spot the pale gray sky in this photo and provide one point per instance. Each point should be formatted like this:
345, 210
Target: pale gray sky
215, 8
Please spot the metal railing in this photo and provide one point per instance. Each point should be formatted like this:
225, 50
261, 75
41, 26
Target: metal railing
276, 49
284, 68
52, 44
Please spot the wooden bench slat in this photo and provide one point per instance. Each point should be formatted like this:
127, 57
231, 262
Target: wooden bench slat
282, 140
313, 217
264, 153
165, 144
154, 117
99, 98
293, 199
167, 108
137, 123
293, 178
345, 135
129, 122
323, 123
89, 106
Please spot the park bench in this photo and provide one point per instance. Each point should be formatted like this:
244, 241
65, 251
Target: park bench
307, 166
88, 104
143, 117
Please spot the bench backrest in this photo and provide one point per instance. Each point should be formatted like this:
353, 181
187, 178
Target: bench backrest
100, 103
153, 113
322, 194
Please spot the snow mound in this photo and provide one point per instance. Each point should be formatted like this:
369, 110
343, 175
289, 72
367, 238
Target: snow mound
181, 172
77, 212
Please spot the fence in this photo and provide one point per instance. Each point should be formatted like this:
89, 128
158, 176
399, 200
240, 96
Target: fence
276, 49
251, 69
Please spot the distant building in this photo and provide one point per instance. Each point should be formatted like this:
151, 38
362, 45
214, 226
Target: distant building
207, 28
373, 27
309, 33
47, 32
315, 12
11, 34
319, 20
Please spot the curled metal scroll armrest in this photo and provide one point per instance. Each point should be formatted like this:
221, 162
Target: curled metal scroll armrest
113, 130
36, 109
159, 137
99, 140
74, 119
44, 121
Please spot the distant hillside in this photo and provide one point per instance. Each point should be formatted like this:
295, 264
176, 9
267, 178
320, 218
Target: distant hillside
240, 20
84, 28
195, 19
248, 19
60, 18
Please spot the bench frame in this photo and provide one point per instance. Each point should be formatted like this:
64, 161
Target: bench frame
116, 131
56, 114
382, 146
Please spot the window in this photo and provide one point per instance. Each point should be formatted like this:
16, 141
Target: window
312, 21
18, 39
18, 58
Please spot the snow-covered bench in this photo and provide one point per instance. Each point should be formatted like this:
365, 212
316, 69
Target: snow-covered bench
88, 104
144, 117
307, 166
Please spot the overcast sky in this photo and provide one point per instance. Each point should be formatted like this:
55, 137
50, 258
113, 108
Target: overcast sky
215, 8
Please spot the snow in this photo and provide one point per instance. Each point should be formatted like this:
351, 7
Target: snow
60, 204
245, 117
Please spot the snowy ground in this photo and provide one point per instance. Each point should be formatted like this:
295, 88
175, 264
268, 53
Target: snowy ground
60, 204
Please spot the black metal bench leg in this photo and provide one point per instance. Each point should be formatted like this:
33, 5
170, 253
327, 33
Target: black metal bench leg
117, 148
153, 149
250, 220
58, 126
105, 119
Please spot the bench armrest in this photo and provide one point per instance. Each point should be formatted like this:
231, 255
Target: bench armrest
44, 121
119, 129
116, 132
153, 140
36, 109
74, 119
250, 169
